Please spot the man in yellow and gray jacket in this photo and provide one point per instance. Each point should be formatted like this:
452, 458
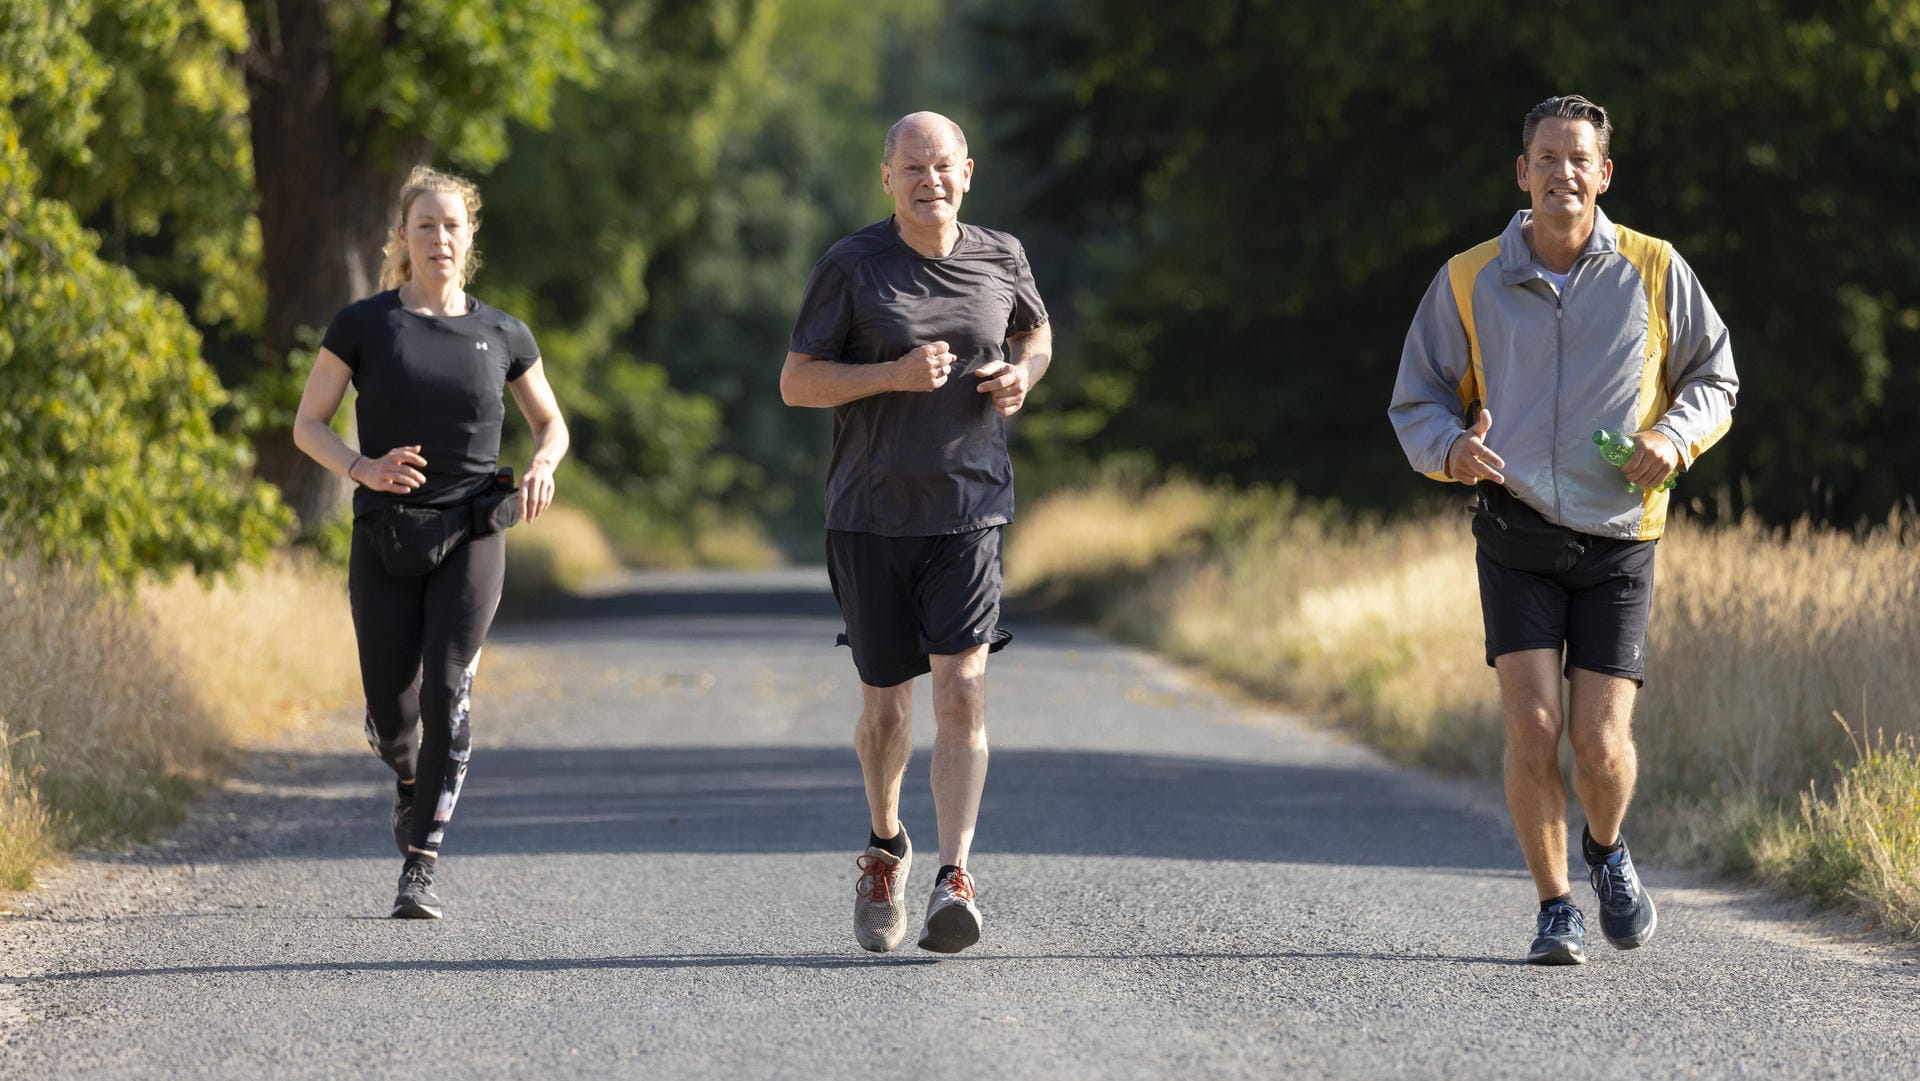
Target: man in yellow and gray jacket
1523, 348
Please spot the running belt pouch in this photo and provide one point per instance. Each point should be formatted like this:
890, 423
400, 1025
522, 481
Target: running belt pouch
495, 510
1514, 535
413, 540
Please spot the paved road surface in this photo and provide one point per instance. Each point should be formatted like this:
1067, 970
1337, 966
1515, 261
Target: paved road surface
650, 877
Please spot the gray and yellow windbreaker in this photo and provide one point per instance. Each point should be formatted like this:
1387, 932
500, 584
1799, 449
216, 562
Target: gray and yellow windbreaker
1631, 343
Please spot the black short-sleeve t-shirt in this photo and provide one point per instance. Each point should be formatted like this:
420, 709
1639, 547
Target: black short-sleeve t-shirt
912, 464
431, 380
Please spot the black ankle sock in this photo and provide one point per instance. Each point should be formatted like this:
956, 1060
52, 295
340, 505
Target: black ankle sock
1596, 853
404, 789
1565, 898
945, 870
895, 846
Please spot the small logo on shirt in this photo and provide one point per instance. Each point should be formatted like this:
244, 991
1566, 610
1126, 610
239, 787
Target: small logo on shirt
482, 346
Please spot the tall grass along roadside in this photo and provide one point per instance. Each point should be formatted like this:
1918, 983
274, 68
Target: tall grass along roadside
118, 708
1759, 640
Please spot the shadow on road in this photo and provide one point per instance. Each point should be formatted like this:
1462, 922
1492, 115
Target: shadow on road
653, 603
817, 961
787, 592
742, 800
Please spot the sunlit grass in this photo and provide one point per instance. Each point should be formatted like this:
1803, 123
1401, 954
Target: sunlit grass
560, 552
1757, 639
117, 709
262, 647
1859, 842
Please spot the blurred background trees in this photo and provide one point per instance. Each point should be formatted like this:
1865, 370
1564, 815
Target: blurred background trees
1233, 208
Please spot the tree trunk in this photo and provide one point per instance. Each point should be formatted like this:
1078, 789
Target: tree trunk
324, 201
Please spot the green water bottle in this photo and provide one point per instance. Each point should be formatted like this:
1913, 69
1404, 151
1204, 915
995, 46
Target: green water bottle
1617, 447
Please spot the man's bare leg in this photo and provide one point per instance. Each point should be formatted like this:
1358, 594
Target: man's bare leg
959, 748
884, 740
1536, 793
959, 776
1605, 763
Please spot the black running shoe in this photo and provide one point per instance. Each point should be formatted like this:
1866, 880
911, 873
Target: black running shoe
416, 900
1626, 911
403, 823
1560, 938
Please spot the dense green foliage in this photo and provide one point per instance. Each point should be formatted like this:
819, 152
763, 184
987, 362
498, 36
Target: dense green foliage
108, 453
1260, 192
134, 113
797, 170
583, 208
1232, 210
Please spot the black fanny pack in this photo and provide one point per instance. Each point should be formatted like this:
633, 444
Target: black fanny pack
1514, 535
413, 540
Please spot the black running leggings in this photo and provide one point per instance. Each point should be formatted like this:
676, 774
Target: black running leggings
420, 642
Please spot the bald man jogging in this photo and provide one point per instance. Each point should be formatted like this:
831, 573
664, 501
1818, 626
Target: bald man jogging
922, 335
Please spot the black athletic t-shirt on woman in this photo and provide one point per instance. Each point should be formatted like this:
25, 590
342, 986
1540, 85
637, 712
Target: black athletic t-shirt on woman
431, 380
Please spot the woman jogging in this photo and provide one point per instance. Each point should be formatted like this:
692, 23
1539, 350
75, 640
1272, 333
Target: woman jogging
429, 555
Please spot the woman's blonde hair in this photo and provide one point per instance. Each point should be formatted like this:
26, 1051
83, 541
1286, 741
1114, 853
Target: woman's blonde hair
397, 268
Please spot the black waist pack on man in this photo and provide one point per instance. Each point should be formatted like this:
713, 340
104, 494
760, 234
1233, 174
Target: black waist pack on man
1514, 535
413, 540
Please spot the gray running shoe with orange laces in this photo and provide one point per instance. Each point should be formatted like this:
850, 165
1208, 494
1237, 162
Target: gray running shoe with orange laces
879, 898
953, 919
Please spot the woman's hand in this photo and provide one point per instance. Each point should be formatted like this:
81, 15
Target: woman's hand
536, 490
397, 471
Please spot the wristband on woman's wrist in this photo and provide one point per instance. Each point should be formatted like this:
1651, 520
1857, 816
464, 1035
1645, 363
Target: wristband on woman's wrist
357, 459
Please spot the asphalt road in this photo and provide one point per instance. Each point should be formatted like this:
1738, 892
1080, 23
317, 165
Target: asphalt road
651, 869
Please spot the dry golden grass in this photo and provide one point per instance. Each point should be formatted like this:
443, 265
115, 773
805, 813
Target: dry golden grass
106, 732
562, 551
117, 709
26, 832
735, 544
1757, 640
263, 648
1106, 531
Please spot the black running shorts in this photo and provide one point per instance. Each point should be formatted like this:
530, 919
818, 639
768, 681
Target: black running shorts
907, 598
1597, 612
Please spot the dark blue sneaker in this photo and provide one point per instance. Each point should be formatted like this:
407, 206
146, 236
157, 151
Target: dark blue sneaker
1560, 938
1626, 911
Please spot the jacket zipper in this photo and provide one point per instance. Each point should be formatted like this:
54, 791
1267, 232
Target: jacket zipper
1559, 371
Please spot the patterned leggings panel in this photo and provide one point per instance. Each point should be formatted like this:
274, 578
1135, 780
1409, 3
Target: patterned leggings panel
420, 641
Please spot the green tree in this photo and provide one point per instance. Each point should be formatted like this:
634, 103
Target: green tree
343, 100
797, 168
108, 455
142, 131
586, 208
1262, 190
243, 154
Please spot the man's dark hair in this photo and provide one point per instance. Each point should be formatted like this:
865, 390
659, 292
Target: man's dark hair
1569, 107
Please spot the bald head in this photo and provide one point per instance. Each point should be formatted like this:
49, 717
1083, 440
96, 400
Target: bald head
924, 129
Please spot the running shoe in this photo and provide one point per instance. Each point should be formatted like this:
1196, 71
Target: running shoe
1560, 937
416, 900
879, 897
403, 823
1627, 917
953, 920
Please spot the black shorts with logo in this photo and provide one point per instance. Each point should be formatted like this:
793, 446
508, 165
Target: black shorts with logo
1597, 611
907, 598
